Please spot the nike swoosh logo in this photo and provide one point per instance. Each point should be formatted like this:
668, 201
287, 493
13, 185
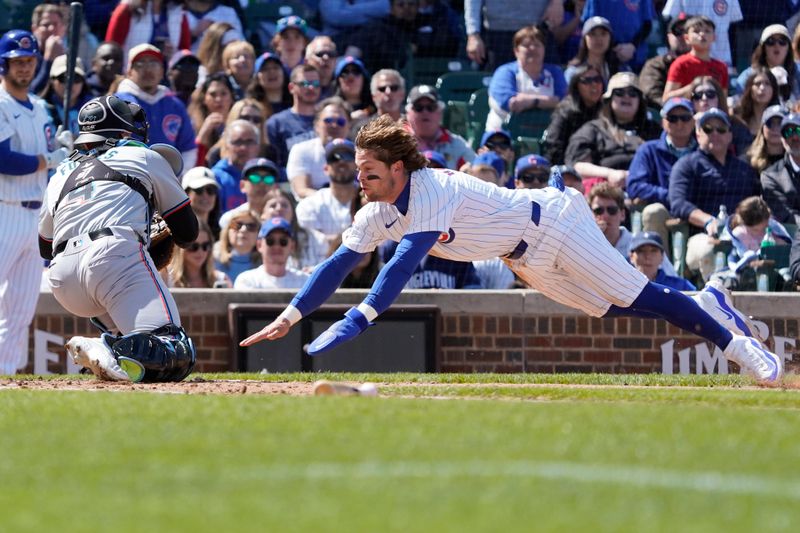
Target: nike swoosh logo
17, 116
728, 314
390, 224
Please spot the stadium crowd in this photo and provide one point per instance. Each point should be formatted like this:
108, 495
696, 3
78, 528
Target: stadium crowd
685, 143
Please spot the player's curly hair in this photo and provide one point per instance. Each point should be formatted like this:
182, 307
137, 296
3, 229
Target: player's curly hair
389, 141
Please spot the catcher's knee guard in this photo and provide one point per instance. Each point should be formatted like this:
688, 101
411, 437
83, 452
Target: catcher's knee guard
167, 353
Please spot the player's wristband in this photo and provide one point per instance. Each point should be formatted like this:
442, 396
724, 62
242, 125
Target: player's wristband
292, 314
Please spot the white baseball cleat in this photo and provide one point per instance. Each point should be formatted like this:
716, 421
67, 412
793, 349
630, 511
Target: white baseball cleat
751, 355
716, 300
97, 357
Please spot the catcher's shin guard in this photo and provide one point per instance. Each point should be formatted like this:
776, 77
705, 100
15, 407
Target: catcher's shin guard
167, 353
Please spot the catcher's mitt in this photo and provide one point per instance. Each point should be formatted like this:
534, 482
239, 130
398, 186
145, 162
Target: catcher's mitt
161, 242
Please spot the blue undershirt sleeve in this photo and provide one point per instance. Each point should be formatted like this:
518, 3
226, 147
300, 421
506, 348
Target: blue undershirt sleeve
325, 279
394, 276
16, 163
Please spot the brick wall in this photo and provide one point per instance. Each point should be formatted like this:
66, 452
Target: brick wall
481, 331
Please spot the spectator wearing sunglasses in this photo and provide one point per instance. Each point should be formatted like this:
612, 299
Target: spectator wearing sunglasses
252, 111
489, 167
767, 148
705, 94
583, 103
603, 148
352, 85
424, 111
698, 61
183, 72
203, 190
241, 140
322, 53
781, 181
388, 89
296, 124
259, 178
193, 266
703, 181
532, 171
276, 244
774, 50
499, 142
527, 83
53, 93
305, 167
648, 176
237, 245
653, 77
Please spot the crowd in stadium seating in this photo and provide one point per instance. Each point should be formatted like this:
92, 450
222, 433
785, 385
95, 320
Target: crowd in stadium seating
643, 108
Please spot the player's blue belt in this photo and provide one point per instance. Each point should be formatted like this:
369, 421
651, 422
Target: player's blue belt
93, 235
519, 250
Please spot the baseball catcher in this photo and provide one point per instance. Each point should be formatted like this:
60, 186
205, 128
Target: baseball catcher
97, 225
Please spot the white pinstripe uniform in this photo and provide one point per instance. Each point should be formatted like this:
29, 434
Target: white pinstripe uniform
561, 251
30, 131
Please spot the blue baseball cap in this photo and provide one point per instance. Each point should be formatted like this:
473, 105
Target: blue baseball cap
267, 56
346, 61
272, 224
646, 237
531, 160
674, 102
490, 159
292, 21
435, 157
491, 133
340, 150
260, 163
714, 112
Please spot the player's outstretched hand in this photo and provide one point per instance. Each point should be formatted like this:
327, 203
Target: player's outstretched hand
275, 330
353, 323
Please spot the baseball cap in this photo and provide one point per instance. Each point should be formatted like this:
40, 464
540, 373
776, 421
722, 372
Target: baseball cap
260, 163
198, 177
566, 169
621, 80
491, 133
774, 29
528, 161
346, 61
646, 237
340, 150
180, 56
714, 112
792, 119
596, 22
772, 112
674, 102
422, 91
142, 50
490, 159
263, 58
292, 21
59, 67
676, 25
436, 158
272, 224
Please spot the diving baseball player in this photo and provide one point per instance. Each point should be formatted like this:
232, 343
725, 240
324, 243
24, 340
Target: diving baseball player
548, 237
27, 151
95, 224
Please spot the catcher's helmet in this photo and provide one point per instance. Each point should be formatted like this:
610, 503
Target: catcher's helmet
108, 117
17, 43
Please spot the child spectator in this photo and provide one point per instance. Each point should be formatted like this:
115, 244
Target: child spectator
647, 255
697, 61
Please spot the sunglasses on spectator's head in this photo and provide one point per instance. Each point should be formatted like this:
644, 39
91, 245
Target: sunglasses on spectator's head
393, 88
588, 80
338, 121
611, 210
719, 129
672, 119
255, 179
306, 84
772, 41
248, 226
708, 94
272, 241
789, 131
430, 108
195, 246
208, 189
541, 177
626, 91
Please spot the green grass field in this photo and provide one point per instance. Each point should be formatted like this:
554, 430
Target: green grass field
433, 453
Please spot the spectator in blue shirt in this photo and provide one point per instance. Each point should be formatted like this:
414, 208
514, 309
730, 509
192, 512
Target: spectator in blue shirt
647, 255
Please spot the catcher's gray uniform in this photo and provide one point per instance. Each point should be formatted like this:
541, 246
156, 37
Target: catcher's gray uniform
99, 234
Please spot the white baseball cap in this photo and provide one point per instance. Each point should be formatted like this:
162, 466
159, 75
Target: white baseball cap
198, 177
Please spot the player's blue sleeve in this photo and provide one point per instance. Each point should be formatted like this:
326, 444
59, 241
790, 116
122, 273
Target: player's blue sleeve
394, 276
559, 81
16, 163
325, 279
680, 186
503, 85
